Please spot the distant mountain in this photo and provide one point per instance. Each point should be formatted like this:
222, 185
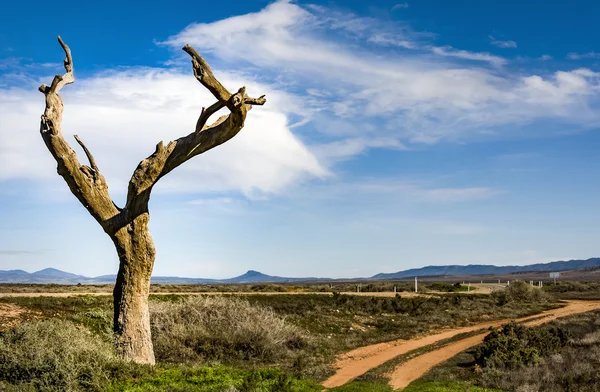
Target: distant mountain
257, 277
14, 274
52, 275
48, 275
478, 269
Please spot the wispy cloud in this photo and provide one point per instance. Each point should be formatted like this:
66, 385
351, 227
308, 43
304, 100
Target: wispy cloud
121, 115
213, 201
466, 55
501, 43
400, 6
421, 94
10, 252
407, 191
323, 78
579, 56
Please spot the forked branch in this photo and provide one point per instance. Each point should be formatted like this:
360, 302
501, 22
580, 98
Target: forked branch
86, 183
60, 81
205, 137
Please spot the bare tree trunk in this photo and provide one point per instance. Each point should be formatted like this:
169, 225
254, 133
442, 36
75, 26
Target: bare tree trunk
128, 226
131, 315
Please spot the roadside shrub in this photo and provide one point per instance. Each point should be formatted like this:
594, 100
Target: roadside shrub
268, 287
54, 355
514, 345
519, 291
573, 368
445, 287
217, 328
574, 290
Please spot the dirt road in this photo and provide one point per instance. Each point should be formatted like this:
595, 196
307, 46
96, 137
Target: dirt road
363, 359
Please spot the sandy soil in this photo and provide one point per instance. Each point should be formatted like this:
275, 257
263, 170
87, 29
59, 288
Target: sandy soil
363, 359
10, 314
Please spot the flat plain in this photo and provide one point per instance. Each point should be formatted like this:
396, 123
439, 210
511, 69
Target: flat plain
290, 337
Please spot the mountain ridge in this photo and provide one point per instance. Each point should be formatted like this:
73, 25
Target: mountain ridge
53, 275
485, 269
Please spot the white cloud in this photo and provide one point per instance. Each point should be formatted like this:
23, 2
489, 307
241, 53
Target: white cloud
213, 201
579, 56
122, 115
400, 6
391, 191
391, 40
419, 93
426, 194
346, 148
466, 55
502, 44
355, 97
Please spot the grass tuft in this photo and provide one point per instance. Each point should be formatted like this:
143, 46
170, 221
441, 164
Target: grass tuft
202, 328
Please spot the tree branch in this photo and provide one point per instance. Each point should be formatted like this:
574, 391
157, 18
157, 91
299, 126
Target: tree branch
166, 158
204, 74
256, 101
88, 154
87, 184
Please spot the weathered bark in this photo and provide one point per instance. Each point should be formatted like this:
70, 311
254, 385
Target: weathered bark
131, 315
128, 226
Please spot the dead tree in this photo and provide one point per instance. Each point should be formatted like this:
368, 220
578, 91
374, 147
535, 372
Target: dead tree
128, 226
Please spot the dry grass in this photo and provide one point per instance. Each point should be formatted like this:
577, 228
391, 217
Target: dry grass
214, 328
54, 355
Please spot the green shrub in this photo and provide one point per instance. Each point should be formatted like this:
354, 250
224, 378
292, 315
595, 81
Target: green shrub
363, 386
446, 287
217, 328
519, 291
429, 386
269, 288
573, 368
514, 345
218, 378
54, 355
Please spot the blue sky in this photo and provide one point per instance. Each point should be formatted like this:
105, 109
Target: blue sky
395, 135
